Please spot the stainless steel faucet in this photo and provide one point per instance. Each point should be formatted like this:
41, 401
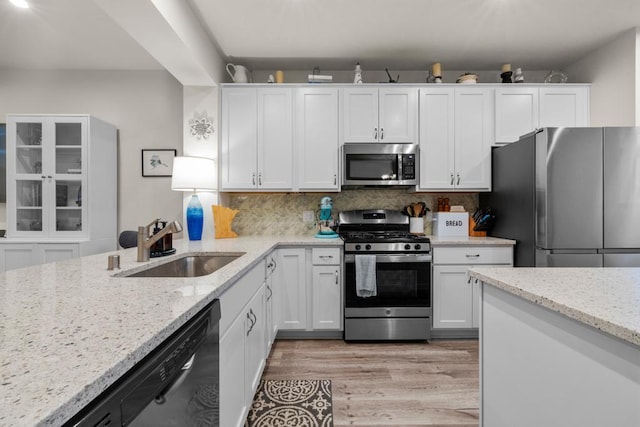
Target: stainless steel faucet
146, 240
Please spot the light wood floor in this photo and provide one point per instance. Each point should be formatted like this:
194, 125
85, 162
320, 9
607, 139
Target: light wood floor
387, 384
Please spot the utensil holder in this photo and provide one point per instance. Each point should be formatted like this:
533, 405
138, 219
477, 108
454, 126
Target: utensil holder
416, 225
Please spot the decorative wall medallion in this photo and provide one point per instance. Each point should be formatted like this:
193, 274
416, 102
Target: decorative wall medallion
201, 125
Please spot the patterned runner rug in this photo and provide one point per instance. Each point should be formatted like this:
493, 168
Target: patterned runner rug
292, 403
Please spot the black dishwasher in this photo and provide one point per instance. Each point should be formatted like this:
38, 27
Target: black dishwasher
176, 385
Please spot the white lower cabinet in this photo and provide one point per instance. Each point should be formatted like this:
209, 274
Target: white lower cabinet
52, 252
233, 405
291, 277
243, 353
452, 306
326, 289
310, 291
456, 298
272, 291
255, 352
273, 294
18, 255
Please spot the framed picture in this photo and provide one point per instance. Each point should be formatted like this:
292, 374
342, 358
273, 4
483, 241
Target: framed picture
158, 162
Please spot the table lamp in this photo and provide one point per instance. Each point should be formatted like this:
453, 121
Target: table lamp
194, 174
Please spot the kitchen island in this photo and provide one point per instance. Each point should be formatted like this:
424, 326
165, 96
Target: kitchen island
559, 346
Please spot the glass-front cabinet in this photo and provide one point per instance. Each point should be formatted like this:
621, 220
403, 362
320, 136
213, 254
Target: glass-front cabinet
61, 188
47, 157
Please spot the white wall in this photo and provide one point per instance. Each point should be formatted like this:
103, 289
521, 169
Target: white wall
199, 102
637, 76
145, 106
613, 71
406, 76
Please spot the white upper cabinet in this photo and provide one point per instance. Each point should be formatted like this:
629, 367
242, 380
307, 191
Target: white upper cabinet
565, 106
456, 134
61, 175
380, 114
522, 109
516, 112
257, 139
317, 140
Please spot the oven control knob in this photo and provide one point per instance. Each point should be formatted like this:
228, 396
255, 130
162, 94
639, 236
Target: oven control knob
407, 247
418, 247
368, 247
358, 247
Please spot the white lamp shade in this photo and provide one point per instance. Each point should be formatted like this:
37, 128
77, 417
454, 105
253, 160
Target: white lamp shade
193, 174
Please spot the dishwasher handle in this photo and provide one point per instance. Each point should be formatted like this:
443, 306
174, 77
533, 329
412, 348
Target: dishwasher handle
177, 380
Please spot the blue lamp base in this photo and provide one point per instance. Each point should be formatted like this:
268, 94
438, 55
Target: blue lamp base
195, 218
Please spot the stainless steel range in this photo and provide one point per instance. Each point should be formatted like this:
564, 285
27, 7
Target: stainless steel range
387, 277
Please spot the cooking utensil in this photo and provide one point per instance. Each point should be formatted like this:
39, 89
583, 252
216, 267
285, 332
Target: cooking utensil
423, 208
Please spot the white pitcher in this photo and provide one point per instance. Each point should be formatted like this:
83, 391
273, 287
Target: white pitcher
239, 75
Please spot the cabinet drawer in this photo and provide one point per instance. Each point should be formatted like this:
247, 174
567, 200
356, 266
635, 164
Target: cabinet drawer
239, 294
473, 255
326, 256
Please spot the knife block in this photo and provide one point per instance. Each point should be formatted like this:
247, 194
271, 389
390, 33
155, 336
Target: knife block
472, 232
222, 219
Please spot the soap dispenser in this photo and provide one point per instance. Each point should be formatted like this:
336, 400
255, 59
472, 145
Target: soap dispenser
157, 246
167, 239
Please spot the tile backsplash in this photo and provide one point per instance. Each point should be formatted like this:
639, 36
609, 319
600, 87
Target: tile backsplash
270, 214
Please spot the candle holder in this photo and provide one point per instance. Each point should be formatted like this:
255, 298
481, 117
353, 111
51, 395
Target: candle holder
506, 77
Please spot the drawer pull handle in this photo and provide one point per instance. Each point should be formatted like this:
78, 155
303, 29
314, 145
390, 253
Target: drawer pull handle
250, 326
326, 256
472, 255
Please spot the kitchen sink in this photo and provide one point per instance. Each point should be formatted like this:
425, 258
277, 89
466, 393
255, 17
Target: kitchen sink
189, 265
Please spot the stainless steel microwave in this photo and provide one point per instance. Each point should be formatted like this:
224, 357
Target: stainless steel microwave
379, 164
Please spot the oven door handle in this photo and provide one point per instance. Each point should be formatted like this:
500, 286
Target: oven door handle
412, 258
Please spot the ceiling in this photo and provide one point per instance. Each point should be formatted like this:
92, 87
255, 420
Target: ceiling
332, 34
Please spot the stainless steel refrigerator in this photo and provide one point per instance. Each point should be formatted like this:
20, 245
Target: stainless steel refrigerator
570, 197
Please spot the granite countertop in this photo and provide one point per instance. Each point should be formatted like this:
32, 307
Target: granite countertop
607, 299
69, 329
